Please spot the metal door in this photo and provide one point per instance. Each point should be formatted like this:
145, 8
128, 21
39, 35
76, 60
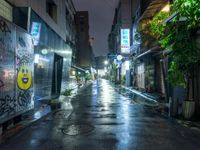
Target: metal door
57, 75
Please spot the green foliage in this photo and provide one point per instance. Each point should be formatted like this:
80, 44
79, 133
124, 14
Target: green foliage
157, 26
152, 30
189, 9
67, 92
123, 79
88, 76
78, 78
114, 66
176, 77
179, 37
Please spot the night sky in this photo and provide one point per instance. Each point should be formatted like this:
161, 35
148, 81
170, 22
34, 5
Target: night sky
101, 14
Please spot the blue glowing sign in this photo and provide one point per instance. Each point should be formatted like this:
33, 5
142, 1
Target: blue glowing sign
125, 41
35, 32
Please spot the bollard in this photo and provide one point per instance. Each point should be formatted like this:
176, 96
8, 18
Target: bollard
173, 107
1, 130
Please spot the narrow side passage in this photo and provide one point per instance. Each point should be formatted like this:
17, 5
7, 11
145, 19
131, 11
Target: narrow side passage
104, 119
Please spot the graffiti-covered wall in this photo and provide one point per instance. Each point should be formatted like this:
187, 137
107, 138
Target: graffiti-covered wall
16, 71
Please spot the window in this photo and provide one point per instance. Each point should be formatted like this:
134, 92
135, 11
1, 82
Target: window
82, 29
51, 9
67, 13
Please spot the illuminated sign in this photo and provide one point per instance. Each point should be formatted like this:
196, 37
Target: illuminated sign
35, 32
125, 41
44, 51
119, 57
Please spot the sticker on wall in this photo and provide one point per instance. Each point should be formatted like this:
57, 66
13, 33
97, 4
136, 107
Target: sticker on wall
24, 75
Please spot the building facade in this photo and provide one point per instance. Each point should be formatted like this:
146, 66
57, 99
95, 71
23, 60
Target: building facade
85, 56
141, 58
119, 42
149, 62
148, 68
50, 26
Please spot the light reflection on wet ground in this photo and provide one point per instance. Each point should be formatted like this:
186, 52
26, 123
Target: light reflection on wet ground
117, 121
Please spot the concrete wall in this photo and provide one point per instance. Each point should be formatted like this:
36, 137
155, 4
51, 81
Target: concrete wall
135, 4
83, 47
126, 13
39, 6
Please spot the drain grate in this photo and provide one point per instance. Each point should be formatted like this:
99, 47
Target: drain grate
61, 114
77, 129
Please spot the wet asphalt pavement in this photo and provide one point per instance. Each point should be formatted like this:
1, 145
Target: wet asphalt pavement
101, 119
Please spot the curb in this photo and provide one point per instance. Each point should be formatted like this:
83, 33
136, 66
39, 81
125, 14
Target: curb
139, 93
156, 103
20, 127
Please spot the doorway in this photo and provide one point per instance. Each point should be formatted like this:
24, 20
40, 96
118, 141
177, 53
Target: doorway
141, 76
57, 75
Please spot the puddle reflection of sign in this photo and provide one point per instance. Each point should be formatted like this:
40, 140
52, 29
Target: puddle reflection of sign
125, 40
35, 32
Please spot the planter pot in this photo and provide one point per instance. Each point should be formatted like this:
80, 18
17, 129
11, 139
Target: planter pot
188, 109
173, 107
55, 105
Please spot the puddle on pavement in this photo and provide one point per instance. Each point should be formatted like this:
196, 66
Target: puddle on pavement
61, 114
134, 98
77, 129
100, 116
111, 123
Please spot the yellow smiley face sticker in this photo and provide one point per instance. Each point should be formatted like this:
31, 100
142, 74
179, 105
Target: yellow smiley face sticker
24, 77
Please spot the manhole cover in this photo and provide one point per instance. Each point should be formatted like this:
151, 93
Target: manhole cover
77, 129
61, 114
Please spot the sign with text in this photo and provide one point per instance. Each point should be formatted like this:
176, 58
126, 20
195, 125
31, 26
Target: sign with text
35, 32
125, 41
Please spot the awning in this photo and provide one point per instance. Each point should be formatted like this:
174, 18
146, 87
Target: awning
153, 8
170, 18
152, 50
78, 68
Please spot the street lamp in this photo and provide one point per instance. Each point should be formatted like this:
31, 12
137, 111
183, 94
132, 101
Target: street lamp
105, 62
119, 57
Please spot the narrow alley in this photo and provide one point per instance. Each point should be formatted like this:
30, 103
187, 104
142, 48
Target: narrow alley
102, 118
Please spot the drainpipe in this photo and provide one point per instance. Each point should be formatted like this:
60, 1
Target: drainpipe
165, 79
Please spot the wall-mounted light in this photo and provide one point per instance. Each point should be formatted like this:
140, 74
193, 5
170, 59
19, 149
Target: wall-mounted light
36, 59
40, 58
44, 51
73, 73
105, 62
166, 8
119, 57
127, 65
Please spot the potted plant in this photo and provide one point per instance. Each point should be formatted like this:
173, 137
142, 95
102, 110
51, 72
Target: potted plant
179, 37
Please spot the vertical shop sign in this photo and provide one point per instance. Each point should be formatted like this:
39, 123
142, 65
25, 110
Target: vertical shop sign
35, 32
125, 41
